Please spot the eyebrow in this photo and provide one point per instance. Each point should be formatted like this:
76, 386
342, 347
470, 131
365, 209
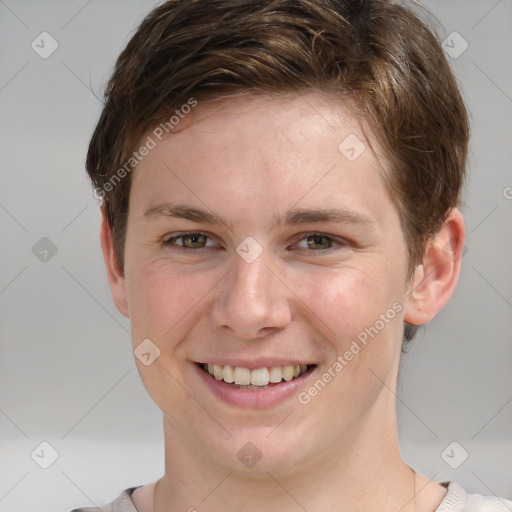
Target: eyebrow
293, 217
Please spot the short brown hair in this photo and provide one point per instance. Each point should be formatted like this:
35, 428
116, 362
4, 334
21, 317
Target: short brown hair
379, 52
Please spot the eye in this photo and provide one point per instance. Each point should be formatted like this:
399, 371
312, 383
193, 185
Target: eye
196, 241
187, 242
320, 241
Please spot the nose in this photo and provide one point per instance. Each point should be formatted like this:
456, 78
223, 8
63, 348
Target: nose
253, 300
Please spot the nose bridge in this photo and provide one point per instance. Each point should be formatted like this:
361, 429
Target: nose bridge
252, 297
254, 279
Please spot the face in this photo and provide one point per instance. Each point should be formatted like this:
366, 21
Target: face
256, 241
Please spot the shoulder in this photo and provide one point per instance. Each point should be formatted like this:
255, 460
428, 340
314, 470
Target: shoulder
458, 500
123, 503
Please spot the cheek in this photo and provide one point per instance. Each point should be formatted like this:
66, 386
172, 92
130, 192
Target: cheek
363, 312
164, 308
160, 299
348, 301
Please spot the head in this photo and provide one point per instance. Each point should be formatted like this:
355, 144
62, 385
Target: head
261, 114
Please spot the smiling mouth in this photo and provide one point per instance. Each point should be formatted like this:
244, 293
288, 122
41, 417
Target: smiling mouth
257, 379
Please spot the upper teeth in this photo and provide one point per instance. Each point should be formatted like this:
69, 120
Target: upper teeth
258, 377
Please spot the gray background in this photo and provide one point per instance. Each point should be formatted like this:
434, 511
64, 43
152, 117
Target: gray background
66, 367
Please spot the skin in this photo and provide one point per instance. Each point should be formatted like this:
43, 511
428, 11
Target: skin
251, 159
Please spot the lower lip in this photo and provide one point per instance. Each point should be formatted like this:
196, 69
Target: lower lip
255, 399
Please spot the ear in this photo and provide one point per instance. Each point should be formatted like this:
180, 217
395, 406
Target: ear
435, 279
115, 274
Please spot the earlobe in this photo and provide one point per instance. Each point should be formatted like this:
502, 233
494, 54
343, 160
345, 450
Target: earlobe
435, 279
115, 274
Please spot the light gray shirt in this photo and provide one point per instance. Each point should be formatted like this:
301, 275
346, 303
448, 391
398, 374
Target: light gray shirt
456, 500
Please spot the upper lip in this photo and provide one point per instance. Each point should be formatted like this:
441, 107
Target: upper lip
254, 364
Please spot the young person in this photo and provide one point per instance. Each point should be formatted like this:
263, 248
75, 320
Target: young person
279, 185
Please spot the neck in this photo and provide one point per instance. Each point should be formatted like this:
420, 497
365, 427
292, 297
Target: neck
364, 471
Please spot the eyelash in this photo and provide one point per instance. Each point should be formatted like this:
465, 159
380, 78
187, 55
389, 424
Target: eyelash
169, 242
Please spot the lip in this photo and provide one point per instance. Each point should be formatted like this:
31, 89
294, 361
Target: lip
254, 399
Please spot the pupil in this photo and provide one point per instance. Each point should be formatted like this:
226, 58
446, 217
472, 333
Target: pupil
317, 240
194, 239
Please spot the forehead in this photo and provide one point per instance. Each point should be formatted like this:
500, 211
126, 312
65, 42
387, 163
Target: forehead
272, 118
256, 148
